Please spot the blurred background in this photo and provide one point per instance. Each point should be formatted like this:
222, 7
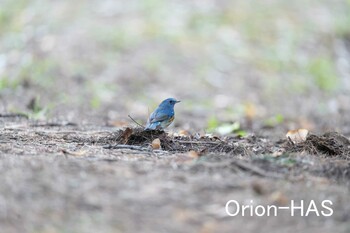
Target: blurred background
263, 64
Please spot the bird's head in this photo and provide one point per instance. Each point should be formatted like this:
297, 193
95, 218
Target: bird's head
169, 102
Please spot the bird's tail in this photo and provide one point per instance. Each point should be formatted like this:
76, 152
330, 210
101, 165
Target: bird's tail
152, 126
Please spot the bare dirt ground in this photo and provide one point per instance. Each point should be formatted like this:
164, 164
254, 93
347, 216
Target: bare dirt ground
246, 72
74, 178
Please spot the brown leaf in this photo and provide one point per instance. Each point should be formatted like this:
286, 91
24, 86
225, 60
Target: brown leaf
126, 135
298, 135
156, 144
193, 154
279, 198
183, 133
259, 188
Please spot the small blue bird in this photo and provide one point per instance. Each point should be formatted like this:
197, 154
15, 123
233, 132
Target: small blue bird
162, 116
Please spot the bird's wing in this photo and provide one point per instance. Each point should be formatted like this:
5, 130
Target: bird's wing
158, 117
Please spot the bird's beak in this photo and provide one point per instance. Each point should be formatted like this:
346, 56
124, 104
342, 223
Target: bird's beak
177, 101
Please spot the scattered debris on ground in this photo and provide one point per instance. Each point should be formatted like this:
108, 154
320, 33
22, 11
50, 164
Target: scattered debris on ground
167, 167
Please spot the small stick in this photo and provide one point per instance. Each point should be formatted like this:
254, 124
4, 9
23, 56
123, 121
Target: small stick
196, 142
14, 115
135, 121
131, 147
254, 169
244, 166
54, 124
290, 140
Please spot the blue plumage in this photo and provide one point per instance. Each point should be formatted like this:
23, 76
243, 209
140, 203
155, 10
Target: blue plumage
163, 116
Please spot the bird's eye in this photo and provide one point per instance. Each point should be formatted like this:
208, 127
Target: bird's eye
171, 101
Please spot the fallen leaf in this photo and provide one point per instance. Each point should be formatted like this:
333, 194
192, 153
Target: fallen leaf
259, 188
278, 153
183, 159
279, 198
193, 154
126, 135
225, 129
183, 133
156, 144
74, 153
298, 135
